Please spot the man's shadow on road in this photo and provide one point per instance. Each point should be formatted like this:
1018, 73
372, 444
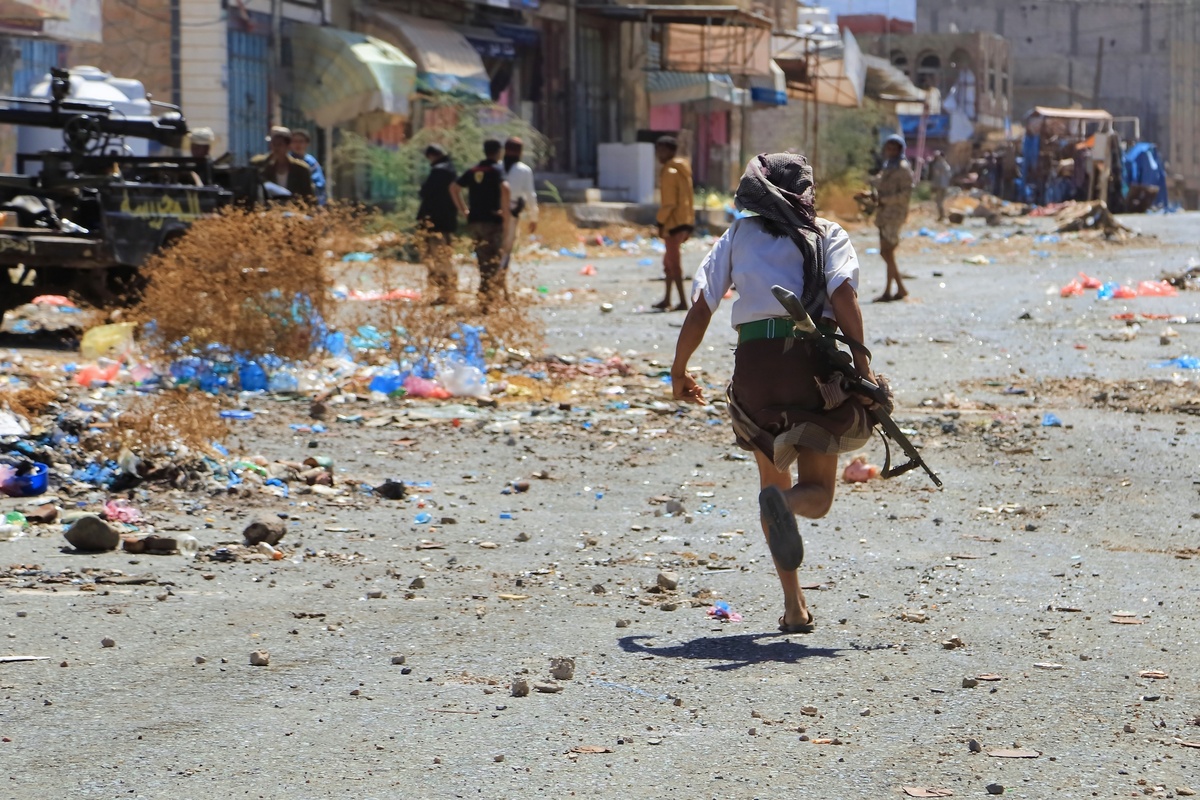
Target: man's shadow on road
737, 651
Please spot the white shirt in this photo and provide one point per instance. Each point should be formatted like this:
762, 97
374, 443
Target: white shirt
520, 184
749, 259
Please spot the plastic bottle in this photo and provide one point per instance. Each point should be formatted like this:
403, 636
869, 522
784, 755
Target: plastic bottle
268, 550
463, 380
188, 545
283, 381
252, 377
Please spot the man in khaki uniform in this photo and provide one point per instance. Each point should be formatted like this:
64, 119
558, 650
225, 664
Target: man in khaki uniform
940, 173
676, 215
893, 185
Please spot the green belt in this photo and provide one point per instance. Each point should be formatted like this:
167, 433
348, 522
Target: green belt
774, 328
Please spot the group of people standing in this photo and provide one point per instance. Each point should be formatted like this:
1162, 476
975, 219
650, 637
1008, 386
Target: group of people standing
289, 165
492, 195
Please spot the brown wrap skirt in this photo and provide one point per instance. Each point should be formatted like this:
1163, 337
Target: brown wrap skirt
778, 408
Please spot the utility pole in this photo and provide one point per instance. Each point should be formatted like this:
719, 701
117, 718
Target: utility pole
276, 61
1099, 67
572, 89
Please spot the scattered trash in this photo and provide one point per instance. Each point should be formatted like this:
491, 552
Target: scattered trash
1050, 420
1156, 289
107, 341
720, 610
28, 479
1016, 752
1114, 291
859, 471
1179, 362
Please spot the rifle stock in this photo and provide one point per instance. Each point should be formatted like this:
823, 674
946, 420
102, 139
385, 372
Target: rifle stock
840, 360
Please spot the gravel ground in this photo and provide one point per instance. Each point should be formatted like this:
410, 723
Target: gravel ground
1064, 560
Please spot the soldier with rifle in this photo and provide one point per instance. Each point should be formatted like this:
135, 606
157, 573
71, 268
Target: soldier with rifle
795, 398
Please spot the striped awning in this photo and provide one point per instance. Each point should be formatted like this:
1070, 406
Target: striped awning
35, 9
671, 88
342, 75
446, 62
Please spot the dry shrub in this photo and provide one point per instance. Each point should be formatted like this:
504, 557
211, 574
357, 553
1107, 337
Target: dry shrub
556, 229
166, 423
509, 323
29, 402
836, 201
253, 281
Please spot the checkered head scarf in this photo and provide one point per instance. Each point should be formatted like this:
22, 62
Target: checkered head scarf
779, 188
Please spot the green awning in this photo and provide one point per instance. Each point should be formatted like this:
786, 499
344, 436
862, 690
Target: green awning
341, 75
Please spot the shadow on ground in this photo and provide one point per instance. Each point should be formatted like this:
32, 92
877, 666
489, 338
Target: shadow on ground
737, 651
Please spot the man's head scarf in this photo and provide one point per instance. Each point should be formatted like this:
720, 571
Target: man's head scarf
779, 187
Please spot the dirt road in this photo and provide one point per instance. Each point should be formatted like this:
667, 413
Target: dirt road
1062, 559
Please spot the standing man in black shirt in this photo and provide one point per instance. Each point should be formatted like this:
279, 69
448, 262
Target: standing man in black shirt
487, 217
437, 220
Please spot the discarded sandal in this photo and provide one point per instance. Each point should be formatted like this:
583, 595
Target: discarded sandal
783, 535
802, 627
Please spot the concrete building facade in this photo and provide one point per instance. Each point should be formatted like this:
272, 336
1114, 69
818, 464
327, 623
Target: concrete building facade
1130, 57
972, 71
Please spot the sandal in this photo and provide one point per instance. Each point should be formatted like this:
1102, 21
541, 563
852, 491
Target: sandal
783, 534
803, 627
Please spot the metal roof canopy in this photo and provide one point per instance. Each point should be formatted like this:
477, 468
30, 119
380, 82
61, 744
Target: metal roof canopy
681, 15
702, 39
1083, 114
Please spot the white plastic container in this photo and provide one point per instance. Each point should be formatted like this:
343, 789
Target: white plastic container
125, 95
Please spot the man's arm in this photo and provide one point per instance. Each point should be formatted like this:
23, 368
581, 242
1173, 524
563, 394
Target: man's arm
506, 206
848, 314
695, 324
456, 196
669, 196
531, 204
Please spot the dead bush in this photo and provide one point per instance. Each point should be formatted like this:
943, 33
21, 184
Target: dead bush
252, 281
429, 329
170, 423
28, 402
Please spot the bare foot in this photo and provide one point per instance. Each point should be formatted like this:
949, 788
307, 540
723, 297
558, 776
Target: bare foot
662, 305
900, 295
886, 297
681, 307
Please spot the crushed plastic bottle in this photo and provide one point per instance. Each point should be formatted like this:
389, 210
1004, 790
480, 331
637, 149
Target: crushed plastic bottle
283, 381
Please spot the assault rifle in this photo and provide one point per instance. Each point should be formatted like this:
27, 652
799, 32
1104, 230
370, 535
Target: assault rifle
841, 361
